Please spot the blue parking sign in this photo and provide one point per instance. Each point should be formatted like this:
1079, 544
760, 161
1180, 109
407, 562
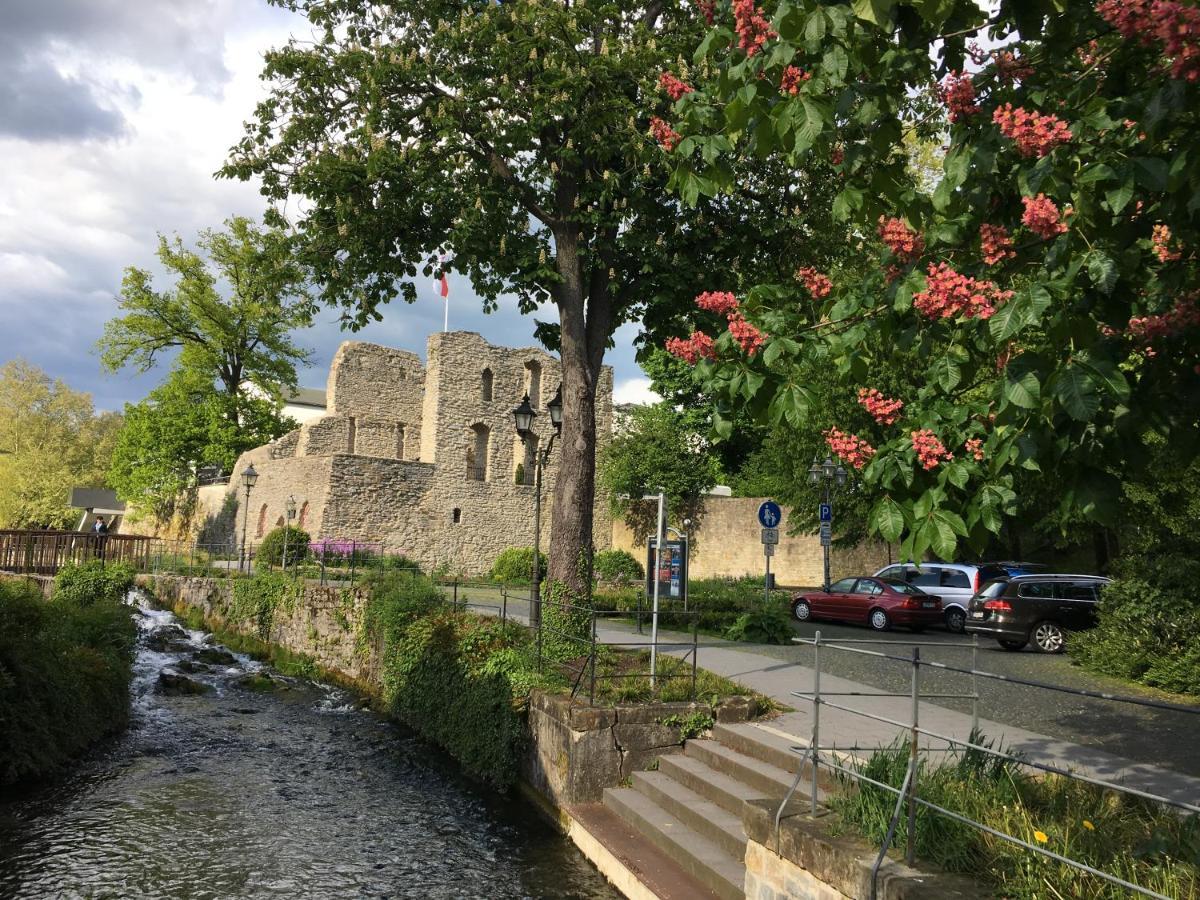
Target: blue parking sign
826, 512
769, 514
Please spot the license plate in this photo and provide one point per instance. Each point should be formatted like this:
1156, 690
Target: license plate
977, 615
928, 604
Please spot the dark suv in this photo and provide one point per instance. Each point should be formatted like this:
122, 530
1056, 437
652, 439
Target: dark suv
1039, 608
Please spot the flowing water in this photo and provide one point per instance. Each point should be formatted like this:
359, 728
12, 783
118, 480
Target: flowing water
292, 793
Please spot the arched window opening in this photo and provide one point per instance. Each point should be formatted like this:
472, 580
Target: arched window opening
262, 521
477, 453
400, 441
533, 383
303, 514
525, 453
485, 386
457, 515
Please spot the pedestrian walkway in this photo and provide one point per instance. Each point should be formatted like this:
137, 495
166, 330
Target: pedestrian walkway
777, 679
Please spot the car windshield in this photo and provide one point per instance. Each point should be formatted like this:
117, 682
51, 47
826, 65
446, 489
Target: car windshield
901, 587
992, 589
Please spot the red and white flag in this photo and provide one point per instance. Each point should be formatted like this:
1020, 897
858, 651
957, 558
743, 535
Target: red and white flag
442, 286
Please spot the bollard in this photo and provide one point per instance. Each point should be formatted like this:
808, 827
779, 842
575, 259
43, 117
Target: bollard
909, 849
816, 723
974, 685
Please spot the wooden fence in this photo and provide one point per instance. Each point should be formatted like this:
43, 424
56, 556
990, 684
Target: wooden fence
45, 552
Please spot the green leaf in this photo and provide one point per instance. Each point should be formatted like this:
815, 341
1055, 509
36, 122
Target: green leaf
946, 373
1102, 270
941, 536
1151, 173
875, 11
1073, 388
722, 426
1118, 198
835, 62
1093, 174
814, 28
1023, 390
887, 519
957, 474
1007, 319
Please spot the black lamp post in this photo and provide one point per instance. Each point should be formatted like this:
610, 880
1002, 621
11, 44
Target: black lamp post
290, 508
831, 477
249, 477
524, 415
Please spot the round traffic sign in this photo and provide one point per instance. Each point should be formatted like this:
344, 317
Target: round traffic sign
769, 514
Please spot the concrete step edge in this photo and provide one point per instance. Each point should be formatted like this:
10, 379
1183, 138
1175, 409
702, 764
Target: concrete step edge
706, 818
772, 780
721, 873
725, 791
765, 746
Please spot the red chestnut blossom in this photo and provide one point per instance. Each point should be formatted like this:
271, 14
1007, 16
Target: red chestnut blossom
1174, 26
709, 9
1034, 134
748, 337
667, 136
1009, 67
1183, 315
883, 410
722, 303
995, 243
1163, 248
905, 243
836, 155
930, 451
693, 348
789, 83
818, 285
849, 448
751, 25
975, 448
958, 93
673, 86
948, 293
1042, 217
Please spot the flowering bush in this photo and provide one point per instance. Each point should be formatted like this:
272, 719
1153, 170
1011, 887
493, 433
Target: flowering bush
995, 244
751, 25
691, 350
720, 302
667, 137
749, 338
792, 78
1034, 134
930, 450
958, 93
948, 293
883, 410
904, 243
817, 284
1042, 217
849, 448
1163, 246
674, 88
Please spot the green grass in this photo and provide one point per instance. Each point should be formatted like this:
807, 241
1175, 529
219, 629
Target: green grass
1138, 841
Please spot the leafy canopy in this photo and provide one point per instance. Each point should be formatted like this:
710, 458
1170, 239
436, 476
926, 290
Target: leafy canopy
1076, 136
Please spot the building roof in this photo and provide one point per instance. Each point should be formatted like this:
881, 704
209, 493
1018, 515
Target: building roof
307, 397
97, 499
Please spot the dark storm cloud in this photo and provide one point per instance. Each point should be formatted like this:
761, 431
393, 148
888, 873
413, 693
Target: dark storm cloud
38, 102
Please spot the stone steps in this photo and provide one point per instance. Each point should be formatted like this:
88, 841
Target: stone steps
690, 808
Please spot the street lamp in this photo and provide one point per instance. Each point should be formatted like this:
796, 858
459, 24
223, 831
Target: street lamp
830, 477
524, 415
249, 477
290, 508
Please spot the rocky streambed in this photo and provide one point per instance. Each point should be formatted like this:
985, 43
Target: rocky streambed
235, 781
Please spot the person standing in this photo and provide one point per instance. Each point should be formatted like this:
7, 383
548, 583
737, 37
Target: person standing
100, 530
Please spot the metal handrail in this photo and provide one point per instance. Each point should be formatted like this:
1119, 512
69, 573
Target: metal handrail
908, 789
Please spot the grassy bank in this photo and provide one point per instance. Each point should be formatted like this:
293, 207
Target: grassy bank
65, 668
1133, 839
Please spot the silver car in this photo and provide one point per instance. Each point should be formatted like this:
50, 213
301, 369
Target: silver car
955, 583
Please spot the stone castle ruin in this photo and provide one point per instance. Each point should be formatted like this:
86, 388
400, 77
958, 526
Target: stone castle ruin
422, 459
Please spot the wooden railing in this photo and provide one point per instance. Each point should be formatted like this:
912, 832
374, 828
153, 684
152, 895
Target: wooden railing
45, 552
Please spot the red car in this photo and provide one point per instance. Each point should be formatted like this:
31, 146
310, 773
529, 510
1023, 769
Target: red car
879, 602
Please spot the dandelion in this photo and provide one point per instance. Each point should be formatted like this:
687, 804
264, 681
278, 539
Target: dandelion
1040, 837
1088, 825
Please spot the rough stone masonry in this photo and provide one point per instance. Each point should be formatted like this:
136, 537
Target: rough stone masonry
424, 460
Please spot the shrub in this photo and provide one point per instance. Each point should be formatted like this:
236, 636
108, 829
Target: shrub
397, 562
1149, 626
763, 625
515, 565
617, 567
65, 670
93, 582
257, 600
294, 540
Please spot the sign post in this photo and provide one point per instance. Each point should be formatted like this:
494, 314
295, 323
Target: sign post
826, 515
769, 517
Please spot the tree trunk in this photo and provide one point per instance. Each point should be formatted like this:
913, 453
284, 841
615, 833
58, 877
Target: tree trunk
570, 560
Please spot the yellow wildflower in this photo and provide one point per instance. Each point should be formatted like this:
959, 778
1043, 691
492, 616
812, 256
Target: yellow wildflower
1088, 825
1040, 837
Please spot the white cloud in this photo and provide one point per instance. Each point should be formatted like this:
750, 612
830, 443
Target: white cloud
634, 390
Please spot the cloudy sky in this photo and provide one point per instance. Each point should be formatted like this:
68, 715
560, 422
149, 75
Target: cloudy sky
113, 116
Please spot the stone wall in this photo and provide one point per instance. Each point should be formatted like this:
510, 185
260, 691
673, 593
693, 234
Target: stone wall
44, 583
728, 544
368, 381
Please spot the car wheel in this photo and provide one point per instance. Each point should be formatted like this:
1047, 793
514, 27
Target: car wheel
1012, 645
879, 620
956, 619
1049, 637
801, 610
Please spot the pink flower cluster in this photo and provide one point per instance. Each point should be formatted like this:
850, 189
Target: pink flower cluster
722, 303
975, 448
883, 410
1042, 217
751, 25
948, 293
958, 93
1034, 134
749, 338
817, 284
709, 9
905, 243
791, 79
673, 86
667, 136
1183, 315
995, 243
1174, 26
1163, 249
849, 448
930, 451
691, 350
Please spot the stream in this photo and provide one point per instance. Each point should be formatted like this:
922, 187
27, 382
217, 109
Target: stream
294, 792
